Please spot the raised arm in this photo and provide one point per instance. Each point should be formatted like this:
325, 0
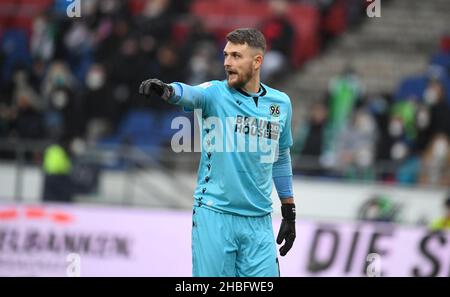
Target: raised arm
189, 97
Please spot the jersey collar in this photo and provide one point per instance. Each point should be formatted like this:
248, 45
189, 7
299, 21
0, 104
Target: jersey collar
262, 91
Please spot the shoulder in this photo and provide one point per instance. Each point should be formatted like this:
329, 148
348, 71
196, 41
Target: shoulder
279, 95
211, 85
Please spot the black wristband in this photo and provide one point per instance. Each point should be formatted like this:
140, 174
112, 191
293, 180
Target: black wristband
288, 211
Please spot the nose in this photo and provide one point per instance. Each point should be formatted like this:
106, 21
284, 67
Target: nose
226, 62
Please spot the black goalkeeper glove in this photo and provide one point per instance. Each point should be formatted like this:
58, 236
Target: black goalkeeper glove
155, 86
287, 228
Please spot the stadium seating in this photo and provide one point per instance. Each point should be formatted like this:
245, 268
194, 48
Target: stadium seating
441, 59
147, 130
223, 16
15, 51
413, 86
20, 13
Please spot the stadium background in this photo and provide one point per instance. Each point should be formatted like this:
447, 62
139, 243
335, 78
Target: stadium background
86, 164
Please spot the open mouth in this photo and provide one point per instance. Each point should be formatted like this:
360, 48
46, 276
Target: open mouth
231, 73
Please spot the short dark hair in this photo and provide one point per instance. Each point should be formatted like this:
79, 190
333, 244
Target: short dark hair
253, 37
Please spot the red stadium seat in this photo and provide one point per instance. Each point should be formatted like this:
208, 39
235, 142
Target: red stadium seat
335, 22
180, 32
20, 13
445, 44
136, 6
223, 16
306, 21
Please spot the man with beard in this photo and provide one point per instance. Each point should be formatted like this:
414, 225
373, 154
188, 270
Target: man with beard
232, 231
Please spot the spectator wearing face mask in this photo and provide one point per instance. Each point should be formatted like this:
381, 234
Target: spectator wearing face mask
58, 76
401, 133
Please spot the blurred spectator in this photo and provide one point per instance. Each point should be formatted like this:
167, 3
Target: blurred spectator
23, 89
399, 148
43, 38
61, 102
400, 142
58, 75
334, 16
310, 139
113, 8
112, 39
355, 12
443, 223
203, 64
404, 114
344, 91
101, 108
201, 53
181, 7
57, 167
313, 131
422, 127
64, 115
359, 137
26, 108
20, 109
168, 63
436, 161
434, 96
79, 42
279, 34
356, 146
126, 69
38, 71
108, 52
168, 70
156, 20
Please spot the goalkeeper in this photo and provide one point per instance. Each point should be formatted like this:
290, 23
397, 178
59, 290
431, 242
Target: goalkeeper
232, 231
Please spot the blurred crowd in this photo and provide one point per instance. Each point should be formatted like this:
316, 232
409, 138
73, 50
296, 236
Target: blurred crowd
67, 78
75, 79
78, 77
352, 135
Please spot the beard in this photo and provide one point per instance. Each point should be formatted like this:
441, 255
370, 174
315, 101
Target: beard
238, 80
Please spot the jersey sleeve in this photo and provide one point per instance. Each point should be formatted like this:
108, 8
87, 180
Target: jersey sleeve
286, 133
192, 97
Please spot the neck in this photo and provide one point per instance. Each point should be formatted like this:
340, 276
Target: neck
252, 86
